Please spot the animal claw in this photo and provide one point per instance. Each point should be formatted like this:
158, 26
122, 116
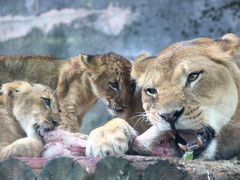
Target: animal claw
199, 142
183, 147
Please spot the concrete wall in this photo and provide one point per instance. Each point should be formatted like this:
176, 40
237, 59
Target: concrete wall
65, 28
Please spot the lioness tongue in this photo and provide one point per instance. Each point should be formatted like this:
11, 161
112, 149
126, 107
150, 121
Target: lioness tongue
154, 142
189, 136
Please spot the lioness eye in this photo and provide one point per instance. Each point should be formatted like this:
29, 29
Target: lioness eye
47, 101
151, 92
193, 77
114, 86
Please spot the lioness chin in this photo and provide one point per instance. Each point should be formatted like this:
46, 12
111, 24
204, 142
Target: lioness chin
26, 111
192, 88
79, 82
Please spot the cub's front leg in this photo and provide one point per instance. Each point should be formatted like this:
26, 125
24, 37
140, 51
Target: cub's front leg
69, 119
111, 139
25, 147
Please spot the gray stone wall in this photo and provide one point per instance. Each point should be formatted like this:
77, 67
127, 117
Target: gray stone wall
66, 28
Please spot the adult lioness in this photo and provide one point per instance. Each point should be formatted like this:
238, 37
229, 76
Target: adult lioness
79, 82
193, 85
26, 110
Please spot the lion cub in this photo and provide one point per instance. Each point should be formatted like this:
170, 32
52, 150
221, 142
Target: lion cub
79, 82
26, 111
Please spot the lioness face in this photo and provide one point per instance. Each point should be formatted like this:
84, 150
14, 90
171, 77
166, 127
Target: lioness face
190, 95
186, 88
34, 106
111, 81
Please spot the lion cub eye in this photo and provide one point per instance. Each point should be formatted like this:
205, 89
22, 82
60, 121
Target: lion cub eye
47, 101
114, 86
151, 92
193, 77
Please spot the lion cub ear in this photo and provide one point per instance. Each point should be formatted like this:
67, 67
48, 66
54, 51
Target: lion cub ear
140, 65
89, 63
8, 89
11, 88
231, 42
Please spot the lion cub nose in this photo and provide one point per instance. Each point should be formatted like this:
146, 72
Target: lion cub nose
172, 117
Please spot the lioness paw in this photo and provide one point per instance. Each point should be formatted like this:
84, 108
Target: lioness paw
111, 139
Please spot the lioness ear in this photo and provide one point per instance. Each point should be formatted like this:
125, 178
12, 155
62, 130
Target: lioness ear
140, 65
233, 38
231, 43
89, 63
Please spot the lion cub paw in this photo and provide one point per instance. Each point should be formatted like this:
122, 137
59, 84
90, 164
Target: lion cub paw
25, 147
111, 139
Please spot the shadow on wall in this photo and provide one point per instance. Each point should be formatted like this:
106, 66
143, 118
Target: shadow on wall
126, 27
96, 117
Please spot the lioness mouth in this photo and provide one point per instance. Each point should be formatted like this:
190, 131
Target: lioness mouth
173, 143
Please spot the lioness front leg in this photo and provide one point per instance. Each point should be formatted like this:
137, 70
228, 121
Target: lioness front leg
111, 139
25, 147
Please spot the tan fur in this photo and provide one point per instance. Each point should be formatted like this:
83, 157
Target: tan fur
210, 100
21, 109
115, 136
82, 80
111, 139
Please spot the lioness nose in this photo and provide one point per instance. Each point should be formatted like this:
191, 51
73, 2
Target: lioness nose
172, 117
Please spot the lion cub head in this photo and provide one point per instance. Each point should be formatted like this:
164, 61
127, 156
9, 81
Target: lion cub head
192, 84
110, 80
34, 106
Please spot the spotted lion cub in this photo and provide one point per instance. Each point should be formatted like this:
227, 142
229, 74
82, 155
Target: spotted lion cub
26, 111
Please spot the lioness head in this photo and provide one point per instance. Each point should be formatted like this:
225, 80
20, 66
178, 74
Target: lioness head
34, 106
192, 84
110, 80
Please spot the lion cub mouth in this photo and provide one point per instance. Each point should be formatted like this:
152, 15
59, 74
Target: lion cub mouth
115, 109
173, 143
40, 129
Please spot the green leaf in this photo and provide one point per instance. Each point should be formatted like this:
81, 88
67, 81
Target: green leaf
188, 155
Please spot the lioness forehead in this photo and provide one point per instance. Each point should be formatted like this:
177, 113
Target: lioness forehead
191, 50
183, 57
